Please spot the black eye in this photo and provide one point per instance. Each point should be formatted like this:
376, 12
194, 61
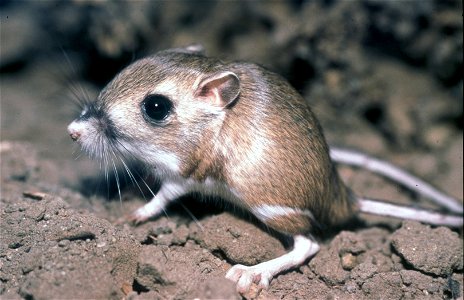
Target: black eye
156, 108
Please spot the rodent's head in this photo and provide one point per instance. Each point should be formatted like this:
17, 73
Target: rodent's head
158, 109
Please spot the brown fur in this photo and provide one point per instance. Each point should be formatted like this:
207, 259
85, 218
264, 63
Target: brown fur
268, 147
292, 224
295, 171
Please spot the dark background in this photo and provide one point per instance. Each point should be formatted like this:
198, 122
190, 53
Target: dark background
392, 66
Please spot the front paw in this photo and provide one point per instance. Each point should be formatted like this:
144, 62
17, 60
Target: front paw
135, 218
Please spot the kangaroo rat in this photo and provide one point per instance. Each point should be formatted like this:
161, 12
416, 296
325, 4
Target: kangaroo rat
240, 132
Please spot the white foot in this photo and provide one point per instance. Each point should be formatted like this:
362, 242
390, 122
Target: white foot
263, 273
142, 214
245, 276
167, 193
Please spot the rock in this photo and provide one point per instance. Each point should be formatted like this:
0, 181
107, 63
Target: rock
384, 286
416, 281
159, 270
216, 288
443, 248
328, 263
96, 261
239, 241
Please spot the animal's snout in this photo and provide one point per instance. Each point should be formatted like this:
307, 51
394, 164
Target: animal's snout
74, 135
74, 131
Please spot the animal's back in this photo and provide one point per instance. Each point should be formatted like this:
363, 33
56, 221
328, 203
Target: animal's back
278, 156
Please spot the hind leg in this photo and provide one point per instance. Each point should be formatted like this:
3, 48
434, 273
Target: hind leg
262, 274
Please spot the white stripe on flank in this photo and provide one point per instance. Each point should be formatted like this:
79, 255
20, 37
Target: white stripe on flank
266, 212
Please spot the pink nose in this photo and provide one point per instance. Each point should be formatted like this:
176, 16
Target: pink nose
75, 135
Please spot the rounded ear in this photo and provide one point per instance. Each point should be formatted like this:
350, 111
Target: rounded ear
220, 89
197, 49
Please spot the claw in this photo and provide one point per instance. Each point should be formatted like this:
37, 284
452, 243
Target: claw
134, 218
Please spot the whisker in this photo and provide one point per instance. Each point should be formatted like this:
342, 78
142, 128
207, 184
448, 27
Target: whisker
77, 89
117, 179
79, 95
197, 222
105, 163
131, 176
79, 155
140, 176
148, 187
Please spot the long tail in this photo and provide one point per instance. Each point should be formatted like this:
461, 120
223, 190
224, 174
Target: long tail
394, 173
403, 212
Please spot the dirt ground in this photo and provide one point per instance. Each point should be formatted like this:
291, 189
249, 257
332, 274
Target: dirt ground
382, 77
